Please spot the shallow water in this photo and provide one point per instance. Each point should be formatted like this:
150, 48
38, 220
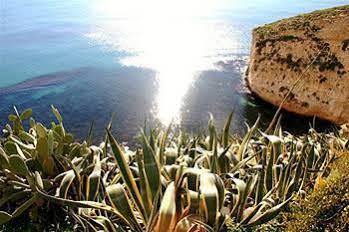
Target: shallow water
152, 60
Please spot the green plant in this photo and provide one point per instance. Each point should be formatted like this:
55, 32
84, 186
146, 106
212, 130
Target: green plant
173, 182
326, 208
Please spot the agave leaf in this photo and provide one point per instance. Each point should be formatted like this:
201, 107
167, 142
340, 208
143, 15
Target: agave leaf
251, 182
152, 139
241, 187
153, 214
4, 217
242, 163
192, 224
272, 138
276, 148
78, 176
17, 123
26, 137
66, 182
21, 144
18, 165
99, 224
26, 114
144, 184
4, 162
193, 201
93, 180
310, 157
321, 160
210, 197
269, 214
90, 133
81, 204
106, 224
170, 155
260, 185
214, 165
268, 179
281, 179
38, 180
277, 128
168, 213
12, 117
246, 139
40, 130
249, 215
50, 141
212, 131
223, 160
119, 200
86, 224
44, 156
10, 147
25, 206
14, 196
59, 129
298, 172
151, 167
57, 114
161, 149
19, 184
68, 138
225, 133
193, 178
32, 122
288, 176
184, 225
126, 174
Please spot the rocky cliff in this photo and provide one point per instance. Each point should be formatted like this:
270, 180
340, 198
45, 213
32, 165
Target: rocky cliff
313, 48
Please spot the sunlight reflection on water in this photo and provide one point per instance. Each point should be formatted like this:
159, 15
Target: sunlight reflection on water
175, 39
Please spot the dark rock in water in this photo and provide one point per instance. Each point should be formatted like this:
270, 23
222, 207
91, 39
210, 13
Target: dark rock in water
43, 81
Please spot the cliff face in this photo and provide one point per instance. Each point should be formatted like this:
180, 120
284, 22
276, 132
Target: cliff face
314, 46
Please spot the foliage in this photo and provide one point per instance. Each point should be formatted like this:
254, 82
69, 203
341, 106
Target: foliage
173, 182
327, 207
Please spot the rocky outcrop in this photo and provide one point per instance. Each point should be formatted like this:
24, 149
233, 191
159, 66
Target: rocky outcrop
312, 47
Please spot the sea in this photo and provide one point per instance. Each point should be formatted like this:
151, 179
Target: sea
147, 62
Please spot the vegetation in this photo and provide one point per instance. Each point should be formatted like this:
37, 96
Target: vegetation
327, 207
171, 182
300, 21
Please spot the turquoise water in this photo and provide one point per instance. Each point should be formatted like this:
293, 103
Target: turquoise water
154, 60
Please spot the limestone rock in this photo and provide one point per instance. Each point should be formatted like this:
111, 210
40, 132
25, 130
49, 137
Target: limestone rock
312, 46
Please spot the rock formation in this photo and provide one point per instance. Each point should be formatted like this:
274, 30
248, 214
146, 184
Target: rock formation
312, 47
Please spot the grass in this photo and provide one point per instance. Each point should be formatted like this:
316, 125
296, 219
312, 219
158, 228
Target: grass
299, 20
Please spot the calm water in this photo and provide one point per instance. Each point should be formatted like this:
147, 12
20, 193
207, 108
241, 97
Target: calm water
144, 60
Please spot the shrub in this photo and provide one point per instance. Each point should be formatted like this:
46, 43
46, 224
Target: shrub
173, 182
327, 207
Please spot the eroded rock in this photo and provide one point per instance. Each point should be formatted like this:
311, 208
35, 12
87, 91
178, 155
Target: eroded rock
312, 46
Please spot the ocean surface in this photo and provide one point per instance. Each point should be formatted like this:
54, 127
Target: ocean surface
155, 61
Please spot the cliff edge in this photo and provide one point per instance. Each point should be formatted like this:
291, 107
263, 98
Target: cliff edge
313, 47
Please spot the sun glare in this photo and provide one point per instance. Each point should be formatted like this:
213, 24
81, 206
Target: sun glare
174, 38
